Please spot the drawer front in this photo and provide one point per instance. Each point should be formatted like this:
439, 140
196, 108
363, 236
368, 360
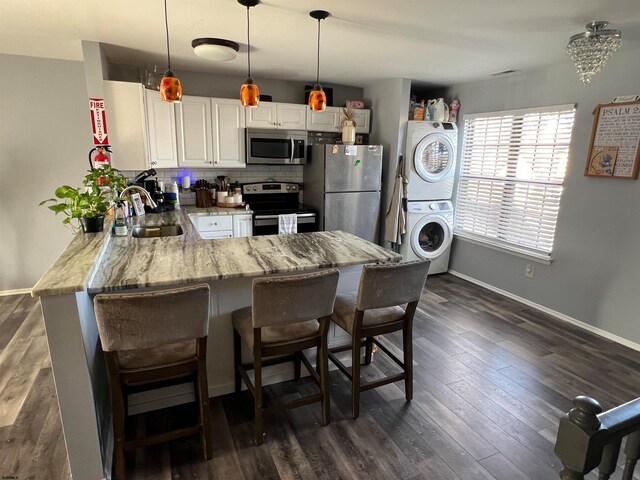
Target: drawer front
214, 223
217, 234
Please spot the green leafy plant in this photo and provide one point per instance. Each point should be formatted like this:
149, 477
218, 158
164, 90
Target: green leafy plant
91, 201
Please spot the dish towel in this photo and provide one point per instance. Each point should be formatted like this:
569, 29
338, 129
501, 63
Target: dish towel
287, 224
395, 219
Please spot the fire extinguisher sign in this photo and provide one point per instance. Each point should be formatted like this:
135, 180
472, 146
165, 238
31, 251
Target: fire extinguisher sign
98, 121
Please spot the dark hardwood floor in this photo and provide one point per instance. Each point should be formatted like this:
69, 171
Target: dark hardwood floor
492, 376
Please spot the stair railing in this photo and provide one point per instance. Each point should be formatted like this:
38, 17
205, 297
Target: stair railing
589, 438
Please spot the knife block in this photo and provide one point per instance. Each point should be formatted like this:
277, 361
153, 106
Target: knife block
203, 198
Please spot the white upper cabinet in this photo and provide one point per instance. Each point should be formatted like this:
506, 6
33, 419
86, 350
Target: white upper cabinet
331, 120
194, 133
228, 122
161, 123
125, 110
270, 115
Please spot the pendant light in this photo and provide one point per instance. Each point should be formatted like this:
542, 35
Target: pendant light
317, 97
249, 92
170, 87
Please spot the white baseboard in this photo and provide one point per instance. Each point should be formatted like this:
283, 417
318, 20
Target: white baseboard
553, 313
18, 291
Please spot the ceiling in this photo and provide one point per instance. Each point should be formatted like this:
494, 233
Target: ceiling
429, 41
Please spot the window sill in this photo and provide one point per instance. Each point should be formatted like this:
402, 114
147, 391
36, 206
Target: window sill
515, 251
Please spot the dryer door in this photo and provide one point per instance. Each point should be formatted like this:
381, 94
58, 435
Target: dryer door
434, 157
431, 236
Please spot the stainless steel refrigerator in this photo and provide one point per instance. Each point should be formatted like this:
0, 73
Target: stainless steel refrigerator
343, 183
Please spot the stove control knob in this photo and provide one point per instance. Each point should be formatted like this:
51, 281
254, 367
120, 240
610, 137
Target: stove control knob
295, 187
255, 188
288, 187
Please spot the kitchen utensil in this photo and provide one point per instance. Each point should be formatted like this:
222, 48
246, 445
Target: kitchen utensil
221, 179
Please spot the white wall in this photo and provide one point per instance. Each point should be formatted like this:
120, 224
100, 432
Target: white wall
45, 136
595, 274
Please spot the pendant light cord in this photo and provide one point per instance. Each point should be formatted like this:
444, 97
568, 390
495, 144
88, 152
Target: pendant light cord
248, 46
318, 56
166, 26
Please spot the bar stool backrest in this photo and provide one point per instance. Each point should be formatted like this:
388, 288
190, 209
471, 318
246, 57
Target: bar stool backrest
391, 284
134, 321
293, 299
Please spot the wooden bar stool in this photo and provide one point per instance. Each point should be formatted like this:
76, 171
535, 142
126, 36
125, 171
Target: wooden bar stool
386, 302
149, 338
288, 314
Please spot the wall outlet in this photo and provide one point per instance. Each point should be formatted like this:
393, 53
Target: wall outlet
528, 270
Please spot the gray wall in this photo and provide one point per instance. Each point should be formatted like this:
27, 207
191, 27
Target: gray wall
228, 86
45, 136
389, 100
596, 269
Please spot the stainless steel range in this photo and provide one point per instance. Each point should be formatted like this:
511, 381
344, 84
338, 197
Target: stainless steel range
270, 199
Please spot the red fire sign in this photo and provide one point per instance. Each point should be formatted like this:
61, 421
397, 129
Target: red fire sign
98, 121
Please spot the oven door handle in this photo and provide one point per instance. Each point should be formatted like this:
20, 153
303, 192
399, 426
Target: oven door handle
271, 217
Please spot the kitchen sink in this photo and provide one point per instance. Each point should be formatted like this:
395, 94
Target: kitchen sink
153, 231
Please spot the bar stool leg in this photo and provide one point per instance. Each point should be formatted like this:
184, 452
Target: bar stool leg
257, 385
355, 373
297, 362
237, 360
119, 431
368, 352
407, 347
203, 393
322, 360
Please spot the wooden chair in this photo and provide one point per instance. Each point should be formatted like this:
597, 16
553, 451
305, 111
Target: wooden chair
386, 302
288, 314
149, 338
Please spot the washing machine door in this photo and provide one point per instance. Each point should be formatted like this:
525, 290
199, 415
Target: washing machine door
431, 237
434, 157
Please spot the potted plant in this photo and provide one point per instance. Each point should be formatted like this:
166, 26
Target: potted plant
348, 126
101, 187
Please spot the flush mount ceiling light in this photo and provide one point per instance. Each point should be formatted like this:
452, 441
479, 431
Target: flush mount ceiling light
216, 49
317, 97
249, 92
590, 50
170, 87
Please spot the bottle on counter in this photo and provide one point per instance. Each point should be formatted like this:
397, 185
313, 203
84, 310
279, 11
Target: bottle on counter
412, 106
120, 222
418, 112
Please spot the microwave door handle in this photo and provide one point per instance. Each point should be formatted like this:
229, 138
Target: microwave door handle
293, 149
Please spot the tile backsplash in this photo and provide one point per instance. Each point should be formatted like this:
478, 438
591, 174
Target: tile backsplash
253, 173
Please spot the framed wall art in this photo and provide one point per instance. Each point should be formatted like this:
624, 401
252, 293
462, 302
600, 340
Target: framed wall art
614, 151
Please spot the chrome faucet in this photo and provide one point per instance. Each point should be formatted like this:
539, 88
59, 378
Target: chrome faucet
152, 204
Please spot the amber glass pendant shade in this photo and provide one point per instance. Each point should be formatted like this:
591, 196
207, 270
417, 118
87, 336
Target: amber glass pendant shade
249, 94
317, 99
170, 87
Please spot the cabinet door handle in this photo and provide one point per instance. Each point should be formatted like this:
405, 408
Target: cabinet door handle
154, 163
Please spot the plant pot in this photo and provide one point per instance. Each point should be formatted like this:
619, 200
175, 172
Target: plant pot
93, 224
348, 133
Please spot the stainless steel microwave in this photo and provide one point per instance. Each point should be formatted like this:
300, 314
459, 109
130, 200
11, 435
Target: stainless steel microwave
276, 147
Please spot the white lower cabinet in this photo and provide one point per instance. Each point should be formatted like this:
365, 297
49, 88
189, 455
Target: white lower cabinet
222, 226
242, 225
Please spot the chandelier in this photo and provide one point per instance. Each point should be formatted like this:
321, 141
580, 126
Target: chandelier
590, 50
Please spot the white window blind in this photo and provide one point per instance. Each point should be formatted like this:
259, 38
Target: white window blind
511, 175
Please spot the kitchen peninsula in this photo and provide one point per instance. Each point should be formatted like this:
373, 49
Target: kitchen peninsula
95, 263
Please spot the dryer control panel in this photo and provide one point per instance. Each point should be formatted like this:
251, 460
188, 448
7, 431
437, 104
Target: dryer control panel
442, 206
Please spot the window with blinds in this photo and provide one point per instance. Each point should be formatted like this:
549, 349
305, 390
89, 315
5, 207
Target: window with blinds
511, 175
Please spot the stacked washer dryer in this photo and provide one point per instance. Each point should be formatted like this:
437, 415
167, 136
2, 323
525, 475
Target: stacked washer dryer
430, 157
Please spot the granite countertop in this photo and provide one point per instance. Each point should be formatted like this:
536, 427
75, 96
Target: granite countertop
127, 263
